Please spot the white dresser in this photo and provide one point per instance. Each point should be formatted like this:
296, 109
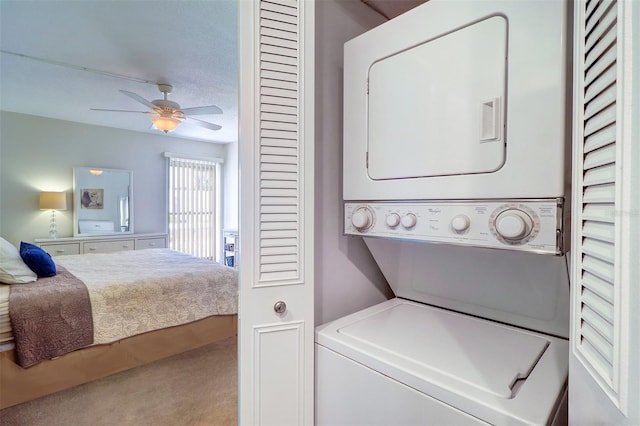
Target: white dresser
101, 244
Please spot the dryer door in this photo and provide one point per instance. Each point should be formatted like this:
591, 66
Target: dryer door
437, 109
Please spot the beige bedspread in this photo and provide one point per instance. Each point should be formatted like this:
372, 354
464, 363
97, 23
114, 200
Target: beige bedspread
134, 292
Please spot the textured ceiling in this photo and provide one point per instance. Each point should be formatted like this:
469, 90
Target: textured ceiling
77, 55
189, 44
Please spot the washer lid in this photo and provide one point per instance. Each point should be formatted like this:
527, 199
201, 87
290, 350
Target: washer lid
468, 351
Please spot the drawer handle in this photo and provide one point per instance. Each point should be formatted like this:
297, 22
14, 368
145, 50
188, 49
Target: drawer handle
125, 246
152, 244
60, 251
92, 248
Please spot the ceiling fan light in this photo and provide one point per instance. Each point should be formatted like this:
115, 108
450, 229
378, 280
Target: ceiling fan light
165, 124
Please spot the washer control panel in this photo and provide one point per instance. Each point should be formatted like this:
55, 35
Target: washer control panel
527, 225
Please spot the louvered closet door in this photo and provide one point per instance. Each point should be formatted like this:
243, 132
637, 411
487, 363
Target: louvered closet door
276, 212
604, 285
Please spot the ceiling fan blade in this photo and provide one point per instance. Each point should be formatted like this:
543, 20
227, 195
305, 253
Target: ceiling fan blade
139, 98
118, 110
210, 109
206, 124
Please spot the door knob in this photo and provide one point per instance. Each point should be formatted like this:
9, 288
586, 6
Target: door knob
280, 307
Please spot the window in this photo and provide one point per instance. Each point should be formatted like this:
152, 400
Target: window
193, 206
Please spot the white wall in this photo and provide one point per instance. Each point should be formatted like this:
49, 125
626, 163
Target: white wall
230, 177
347, 278
38, 154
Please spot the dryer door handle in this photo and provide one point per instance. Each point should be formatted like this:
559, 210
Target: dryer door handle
491, 123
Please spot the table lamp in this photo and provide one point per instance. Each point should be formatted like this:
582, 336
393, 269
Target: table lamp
53, 201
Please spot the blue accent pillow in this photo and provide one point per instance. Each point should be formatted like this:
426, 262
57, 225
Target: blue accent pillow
38, 260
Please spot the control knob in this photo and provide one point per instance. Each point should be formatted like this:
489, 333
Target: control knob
362, 218
393, 220
409, 220
460, 223
513, 224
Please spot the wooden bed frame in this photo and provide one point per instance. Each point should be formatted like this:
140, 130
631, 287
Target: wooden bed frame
19, 384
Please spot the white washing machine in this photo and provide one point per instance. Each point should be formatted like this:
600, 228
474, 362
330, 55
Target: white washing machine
407, 362
456, 153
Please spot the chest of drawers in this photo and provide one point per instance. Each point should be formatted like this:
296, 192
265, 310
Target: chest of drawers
102, 244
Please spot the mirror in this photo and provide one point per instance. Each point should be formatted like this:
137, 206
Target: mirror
102, 203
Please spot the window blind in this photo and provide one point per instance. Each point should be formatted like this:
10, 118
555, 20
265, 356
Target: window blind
192, 207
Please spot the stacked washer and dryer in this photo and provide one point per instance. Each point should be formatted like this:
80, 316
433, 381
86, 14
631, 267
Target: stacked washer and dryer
456, 153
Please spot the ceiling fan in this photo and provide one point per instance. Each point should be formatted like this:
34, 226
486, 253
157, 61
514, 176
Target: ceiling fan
166, 114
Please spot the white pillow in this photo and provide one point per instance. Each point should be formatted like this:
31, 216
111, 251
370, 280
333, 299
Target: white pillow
13, 270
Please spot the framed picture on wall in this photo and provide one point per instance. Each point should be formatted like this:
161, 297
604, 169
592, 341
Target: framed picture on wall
92, 198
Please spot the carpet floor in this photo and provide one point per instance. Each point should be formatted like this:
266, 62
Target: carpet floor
199, 387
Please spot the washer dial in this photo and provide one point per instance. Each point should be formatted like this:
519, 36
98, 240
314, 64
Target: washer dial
460, 223
393, 220
362, 218
514, 224
409, 220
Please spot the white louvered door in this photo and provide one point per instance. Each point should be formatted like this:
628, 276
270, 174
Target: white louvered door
276, 212
604, 375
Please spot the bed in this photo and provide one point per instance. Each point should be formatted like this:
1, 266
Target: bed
143, 305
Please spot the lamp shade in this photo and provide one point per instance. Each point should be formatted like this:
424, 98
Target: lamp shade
53, 201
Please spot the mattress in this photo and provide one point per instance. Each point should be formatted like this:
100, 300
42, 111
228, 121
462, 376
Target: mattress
133, 292
5, 323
